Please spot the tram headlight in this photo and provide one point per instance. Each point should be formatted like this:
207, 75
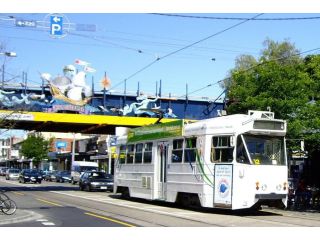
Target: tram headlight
278, 187
264, 187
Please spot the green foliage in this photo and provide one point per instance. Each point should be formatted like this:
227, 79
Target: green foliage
35, 147
284, 81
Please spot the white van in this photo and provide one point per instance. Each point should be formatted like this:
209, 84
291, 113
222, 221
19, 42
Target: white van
78, 167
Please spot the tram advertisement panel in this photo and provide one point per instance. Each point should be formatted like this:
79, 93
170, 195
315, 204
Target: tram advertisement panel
223, 184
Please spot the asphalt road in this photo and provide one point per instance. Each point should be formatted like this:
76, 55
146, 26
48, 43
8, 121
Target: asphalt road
54, 211
63, 205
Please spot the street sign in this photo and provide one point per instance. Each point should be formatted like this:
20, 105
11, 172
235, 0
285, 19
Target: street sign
25, 23
56, 23
61, 144
86, 27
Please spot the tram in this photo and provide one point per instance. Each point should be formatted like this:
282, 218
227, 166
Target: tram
235, 162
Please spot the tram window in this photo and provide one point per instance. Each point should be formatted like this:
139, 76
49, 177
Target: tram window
147, 155
122, 154
130, 153
242, 156
138, 153
221, 150
265, 150
190, 150
177, 150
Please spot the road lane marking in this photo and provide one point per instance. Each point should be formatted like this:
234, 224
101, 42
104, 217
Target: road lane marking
42, 220
18, 193
48, 223
52, 203
109, 219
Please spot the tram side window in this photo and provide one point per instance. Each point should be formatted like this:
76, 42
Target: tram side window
221, 151
138, 153
122, 154
242, 156
147, 155
130, 153
177, 150
190, 150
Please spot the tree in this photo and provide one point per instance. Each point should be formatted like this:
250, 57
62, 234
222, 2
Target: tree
284, 81
36, 147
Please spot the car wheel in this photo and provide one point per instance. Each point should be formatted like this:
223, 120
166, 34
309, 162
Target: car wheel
39, 182
88, 188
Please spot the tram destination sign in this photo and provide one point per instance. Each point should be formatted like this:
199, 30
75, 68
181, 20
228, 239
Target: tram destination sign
156, 131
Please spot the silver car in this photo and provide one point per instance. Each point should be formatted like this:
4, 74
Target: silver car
12, 173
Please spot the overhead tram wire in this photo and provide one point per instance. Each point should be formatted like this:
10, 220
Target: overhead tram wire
117, 45
183, 48
236, 18
250, 68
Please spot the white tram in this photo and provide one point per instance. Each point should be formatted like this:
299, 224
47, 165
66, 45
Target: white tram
236, 161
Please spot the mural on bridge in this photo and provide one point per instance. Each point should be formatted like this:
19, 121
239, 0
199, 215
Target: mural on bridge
71, 93
143, 108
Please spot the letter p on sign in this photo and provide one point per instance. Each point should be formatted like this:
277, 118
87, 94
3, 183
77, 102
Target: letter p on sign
56, 23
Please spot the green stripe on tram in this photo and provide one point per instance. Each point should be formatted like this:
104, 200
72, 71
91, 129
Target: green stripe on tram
156, 131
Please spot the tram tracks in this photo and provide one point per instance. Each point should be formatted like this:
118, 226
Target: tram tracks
160, 214
153, 214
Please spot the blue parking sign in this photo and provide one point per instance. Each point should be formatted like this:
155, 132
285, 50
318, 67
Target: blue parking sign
56, 23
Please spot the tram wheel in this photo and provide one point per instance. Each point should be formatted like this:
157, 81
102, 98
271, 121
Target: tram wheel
125, 193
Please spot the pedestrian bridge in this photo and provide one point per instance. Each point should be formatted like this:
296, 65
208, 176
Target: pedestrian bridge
67, 122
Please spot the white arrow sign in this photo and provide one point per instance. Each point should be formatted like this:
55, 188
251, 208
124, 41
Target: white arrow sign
56, 19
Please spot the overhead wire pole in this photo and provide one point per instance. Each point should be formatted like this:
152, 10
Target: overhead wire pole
183, 48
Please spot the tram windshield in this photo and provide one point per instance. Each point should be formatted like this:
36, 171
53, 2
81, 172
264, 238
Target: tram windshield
263, 150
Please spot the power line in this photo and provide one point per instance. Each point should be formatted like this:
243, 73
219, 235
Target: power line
183, 48
250, 68
236, 18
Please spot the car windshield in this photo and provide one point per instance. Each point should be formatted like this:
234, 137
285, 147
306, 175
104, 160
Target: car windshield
66, 173
96, 175
265, 150
14, 171
87, 168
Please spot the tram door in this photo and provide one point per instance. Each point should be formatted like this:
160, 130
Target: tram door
162, 169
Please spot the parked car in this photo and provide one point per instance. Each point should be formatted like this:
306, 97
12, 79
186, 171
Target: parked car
43, 173
50, 176
79, 167
12, 173
3, 171
96, 181
30, 175
63, 176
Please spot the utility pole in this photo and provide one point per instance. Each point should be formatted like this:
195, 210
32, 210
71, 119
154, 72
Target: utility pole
6, 54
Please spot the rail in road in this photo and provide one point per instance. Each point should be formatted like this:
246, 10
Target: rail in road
145, 213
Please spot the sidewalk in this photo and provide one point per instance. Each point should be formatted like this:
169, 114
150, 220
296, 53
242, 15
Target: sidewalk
19, 216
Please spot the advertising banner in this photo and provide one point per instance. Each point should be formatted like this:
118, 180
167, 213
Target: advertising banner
156, 131
223, 184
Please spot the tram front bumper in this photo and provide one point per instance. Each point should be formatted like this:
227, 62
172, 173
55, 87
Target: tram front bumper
270, 196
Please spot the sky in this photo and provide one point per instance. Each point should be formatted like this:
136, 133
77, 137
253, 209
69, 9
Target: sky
194, 52
126, 46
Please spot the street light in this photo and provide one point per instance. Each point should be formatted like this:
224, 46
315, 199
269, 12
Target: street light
6, 54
